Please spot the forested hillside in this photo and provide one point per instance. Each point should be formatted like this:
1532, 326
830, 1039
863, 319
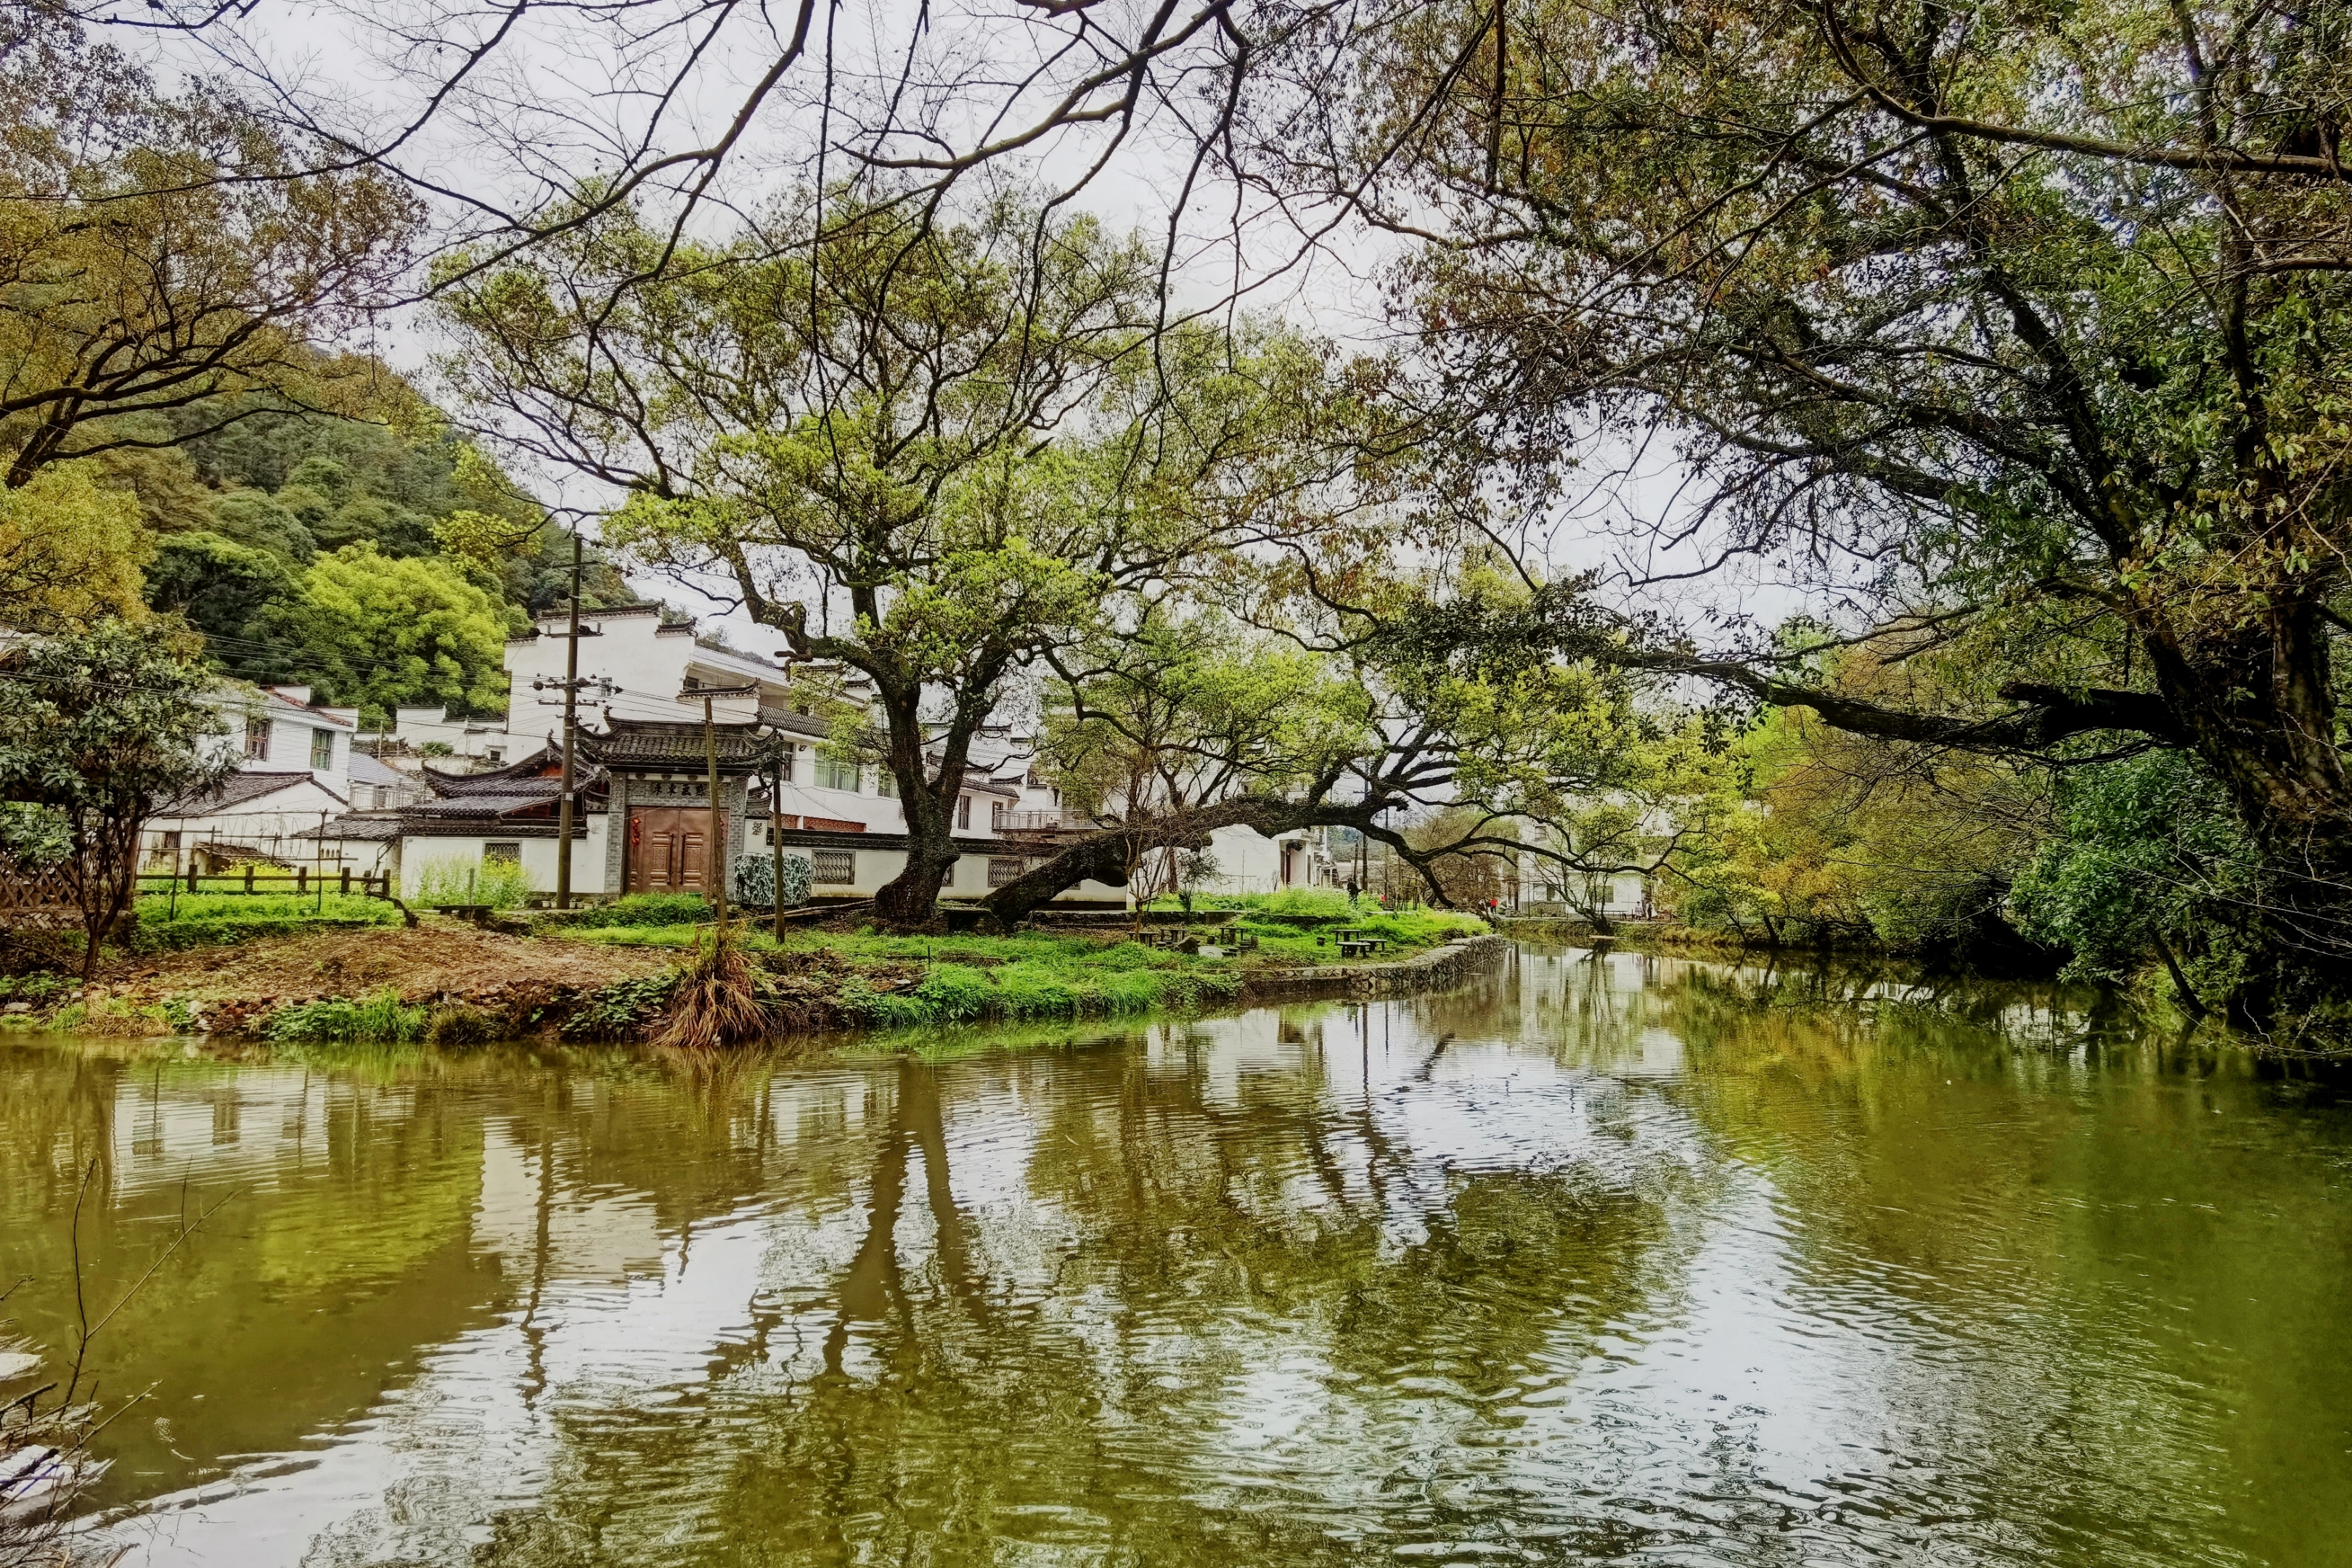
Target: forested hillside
382, 561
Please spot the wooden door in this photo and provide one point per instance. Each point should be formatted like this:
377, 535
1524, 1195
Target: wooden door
669, 849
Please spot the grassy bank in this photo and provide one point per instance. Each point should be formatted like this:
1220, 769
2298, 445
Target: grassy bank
868, 978
310, 970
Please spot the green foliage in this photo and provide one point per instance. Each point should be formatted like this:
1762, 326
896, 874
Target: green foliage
221, 587
381, 1018
1181, 711
289, 485
32, 836
1328, 902
102, 727
451, 879
170, 920
70, 549
643, 909
378, 633
1851, 838
1104, 983
40, 988
261, 522
455, 1024
621, 1010
2147, 851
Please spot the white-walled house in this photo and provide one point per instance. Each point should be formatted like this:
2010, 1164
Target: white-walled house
433, 732
293, 773
643, 811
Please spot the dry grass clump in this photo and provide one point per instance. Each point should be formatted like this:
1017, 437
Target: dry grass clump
716, 1002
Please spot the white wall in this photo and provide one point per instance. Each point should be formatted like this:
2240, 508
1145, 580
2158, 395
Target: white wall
267, 823
418, 851
484, 741
293, 725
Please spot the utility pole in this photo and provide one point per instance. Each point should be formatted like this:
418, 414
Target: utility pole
565, 810
776, 837
715, 862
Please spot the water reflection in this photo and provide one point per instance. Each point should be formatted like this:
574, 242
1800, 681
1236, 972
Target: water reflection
1599, 1260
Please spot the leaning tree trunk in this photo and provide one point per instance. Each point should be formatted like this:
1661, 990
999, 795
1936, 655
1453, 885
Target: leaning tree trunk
910, 900
1107, 856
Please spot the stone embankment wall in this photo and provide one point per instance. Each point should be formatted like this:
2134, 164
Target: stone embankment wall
1433, 971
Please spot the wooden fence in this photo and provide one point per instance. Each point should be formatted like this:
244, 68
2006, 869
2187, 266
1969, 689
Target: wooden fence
36, 899
301, 881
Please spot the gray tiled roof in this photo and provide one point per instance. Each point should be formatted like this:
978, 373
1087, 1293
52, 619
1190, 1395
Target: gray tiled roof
366, 827
650, 743
236, 790
366, 770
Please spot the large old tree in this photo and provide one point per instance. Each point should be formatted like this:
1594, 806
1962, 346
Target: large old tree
2036, 324
925, 447
161, 249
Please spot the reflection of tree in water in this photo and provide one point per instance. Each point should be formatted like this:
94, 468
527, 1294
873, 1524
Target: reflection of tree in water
1059, 1378
2010, 1187
352, 1230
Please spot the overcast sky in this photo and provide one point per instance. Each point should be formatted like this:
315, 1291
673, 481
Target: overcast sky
566, 94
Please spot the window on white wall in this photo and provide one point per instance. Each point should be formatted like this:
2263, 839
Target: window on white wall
833, 867
256, 739
963, 811
834, 772
501, 854
323, 749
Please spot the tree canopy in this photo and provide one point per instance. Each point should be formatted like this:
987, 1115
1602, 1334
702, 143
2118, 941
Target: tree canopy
926, 451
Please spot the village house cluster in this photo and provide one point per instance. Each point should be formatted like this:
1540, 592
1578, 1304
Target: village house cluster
433, 794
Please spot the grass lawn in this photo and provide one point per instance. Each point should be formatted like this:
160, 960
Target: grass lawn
896, 981
195, 919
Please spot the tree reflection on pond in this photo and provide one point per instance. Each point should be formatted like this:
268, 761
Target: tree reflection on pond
1599, 1258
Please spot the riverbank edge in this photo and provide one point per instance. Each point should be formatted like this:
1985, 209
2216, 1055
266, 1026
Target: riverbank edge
1675, 940
546, 1007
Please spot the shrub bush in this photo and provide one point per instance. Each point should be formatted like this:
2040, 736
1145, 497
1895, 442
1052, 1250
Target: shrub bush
643, 909
458, 1025
619, 1011
381, 1018
500, 884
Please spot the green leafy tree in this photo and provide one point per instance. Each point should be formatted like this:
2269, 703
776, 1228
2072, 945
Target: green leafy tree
225, 590
2040, 322
2146, 858
259, 521
70, 551
1162, 732
99, 728
923, 451
160, 252
376, 632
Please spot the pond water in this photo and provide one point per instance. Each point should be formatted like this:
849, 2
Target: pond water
1599, 1260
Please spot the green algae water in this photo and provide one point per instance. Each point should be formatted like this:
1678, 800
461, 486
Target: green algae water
1602, 1259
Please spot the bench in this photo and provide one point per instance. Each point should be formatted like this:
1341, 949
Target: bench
1356, 947
478, 914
